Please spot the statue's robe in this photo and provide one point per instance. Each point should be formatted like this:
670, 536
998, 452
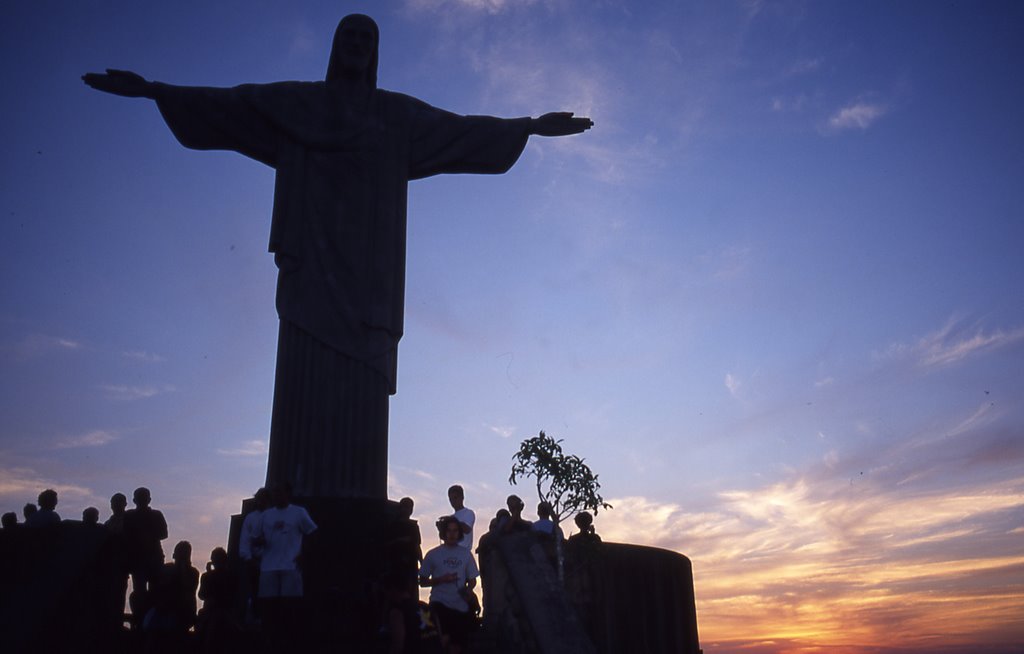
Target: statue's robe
338, 237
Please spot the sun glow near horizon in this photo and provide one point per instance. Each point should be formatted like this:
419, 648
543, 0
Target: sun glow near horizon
892, 573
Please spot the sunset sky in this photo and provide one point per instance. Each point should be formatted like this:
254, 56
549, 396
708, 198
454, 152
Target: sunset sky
774, 297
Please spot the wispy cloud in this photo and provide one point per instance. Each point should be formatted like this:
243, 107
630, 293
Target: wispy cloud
951, 343
38, 344
489, 6
252, 448
784, 104
733, 384
804, 66
95, 438
522, 78
423, 474
505, 431
124, 393
21, 484
526, 67
944, 348
143, 356
859, 115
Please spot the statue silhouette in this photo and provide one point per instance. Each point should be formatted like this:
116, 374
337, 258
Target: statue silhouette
344, 152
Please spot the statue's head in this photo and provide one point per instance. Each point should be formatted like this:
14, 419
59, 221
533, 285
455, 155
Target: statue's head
354, 51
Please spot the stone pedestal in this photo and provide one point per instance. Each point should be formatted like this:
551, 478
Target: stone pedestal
616, 598
633, 598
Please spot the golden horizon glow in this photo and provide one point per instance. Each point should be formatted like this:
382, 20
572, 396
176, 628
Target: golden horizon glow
799, 562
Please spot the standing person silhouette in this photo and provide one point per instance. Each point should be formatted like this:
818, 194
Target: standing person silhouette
172, 611
463, 514
118, 504
120, 561
516, 522
144, 528
344, 151
218, 588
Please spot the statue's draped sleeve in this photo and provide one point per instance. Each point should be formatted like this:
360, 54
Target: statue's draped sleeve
208, 118
443, 142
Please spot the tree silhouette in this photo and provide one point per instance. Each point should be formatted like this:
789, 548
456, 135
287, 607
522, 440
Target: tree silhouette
563, 480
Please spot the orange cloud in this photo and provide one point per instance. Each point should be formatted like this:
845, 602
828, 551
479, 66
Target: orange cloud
801, 565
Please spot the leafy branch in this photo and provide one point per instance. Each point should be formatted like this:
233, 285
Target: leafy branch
563, 480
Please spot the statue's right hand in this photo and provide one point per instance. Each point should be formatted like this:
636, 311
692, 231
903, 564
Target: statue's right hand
120, 82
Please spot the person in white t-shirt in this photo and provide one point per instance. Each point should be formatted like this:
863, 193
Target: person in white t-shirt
450, 571
282, 528
465, 515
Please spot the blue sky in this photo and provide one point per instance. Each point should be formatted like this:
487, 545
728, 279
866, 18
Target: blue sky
773, 297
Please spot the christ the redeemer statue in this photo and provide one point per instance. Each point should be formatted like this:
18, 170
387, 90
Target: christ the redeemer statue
344, 152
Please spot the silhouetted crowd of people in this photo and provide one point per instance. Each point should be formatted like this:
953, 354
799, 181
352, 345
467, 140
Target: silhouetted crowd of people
101, 559
261, 590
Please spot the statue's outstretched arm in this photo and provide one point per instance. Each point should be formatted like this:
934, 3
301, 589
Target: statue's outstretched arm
201, 118
559, 123
121, 82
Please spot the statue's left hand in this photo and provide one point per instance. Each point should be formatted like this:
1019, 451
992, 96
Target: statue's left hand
559, 123
120, 82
